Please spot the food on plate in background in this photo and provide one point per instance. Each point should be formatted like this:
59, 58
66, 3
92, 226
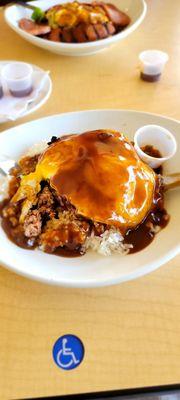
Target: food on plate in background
77, 22
84, 191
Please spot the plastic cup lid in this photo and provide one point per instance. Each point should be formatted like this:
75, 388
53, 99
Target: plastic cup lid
153, 61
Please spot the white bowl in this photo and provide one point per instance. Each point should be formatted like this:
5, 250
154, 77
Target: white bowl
92, 270
136, 9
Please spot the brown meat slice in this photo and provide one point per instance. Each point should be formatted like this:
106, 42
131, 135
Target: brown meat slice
101, 31
32, 224
116, 16
78, 33
90, 32
55, 35
67, 36
110, 28
33, 28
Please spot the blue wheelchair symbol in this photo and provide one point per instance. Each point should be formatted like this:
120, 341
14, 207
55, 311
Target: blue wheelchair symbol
68, 352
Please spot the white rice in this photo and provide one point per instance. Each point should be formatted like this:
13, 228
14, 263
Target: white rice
4, 187
111, 241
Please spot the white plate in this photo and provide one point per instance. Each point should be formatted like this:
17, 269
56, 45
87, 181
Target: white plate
41, 98
92, 269
136, 9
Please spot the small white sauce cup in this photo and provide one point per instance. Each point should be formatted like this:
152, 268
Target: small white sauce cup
18, 77
152, 62
158, 137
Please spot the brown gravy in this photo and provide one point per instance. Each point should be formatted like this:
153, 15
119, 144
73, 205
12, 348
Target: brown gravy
140, 237
64, 252
22, 241
151, 151
17, 236
144, 234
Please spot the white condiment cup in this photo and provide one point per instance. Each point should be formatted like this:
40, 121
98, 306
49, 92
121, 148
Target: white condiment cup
18, 77
152, 63
158, 137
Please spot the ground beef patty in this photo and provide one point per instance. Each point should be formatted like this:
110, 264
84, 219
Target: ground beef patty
33, 224
66, 230
54, 222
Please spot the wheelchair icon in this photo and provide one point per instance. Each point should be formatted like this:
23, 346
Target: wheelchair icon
66, 353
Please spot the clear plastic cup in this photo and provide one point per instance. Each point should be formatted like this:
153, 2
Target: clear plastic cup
18, 76
152, 63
